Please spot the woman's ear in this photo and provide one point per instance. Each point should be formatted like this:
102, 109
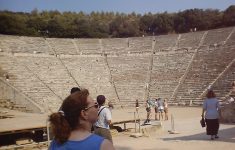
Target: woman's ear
84, 115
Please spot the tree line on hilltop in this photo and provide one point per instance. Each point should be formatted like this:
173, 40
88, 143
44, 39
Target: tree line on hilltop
110, 24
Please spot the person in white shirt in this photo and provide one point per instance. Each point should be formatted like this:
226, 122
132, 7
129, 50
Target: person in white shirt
156, 110
231, 100
160, 108
104, 119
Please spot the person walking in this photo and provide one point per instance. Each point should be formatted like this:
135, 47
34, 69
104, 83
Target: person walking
210, 112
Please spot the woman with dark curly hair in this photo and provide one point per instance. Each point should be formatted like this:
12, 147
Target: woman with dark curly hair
71, 125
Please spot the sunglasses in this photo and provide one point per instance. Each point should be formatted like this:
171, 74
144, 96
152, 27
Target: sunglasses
96, 105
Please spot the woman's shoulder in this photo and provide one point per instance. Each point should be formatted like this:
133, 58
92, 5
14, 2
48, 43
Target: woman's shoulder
94, 136
210, 100
94, 142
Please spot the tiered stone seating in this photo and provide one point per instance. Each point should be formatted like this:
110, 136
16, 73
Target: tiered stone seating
25, 81
206, 66
88, 46
62, 46
35, 45
231, 40
140, 44
91, 72
17, 44
190, 40
51, 72
217, 36
167, 70
9, 43
166, 42
223, 85
128, 65
129, 75
115, 45
6, 103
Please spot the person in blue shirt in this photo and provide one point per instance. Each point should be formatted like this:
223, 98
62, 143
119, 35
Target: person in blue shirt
71, 125
211, 112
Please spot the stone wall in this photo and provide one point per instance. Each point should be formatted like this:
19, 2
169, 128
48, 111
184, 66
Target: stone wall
12, 97
227, 113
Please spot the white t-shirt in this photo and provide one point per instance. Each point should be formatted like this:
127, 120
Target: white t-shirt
103, 117
231, 100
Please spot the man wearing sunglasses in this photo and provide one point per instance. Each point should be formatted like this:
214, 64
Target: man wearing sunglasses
104, 119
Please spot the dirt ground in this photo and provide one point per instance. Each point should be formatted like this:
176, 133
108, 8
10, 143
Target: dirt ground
191, 135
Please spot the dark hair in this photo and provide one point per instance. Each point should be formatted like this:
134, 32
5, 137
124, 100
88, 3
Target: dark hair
210, 94
74, 89
62, 123
100, 99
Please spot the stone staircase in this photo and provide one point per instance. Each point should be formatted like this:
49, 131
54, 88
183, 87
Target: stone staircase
217, 36
88, 46
26, 82
165, 42
115, 45
166, 73
140, 45
7, 103
207, 65
223, 85
51, 72
190, 40
129, 75
91, 72
62, 46
22, 44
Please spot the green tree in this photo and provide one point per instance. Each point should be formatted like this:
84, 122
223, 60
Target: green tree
229, 16
162, 23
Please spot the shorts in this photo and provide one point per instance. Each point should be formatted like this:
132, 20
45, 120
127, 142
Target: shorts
160, 110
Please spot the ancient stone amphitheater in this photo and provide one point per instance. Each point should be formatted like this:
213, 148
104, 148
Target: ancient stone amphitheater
179, 67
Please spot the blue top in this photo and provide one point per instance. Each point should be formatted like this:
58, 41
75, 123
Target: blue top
211, 106
93, 142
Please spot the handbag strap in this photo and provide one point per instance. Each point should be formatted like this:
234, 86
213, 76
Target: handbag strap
100, 111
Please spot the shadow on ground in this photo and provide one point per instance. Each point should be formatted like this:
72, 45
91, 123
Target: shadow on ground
226, 135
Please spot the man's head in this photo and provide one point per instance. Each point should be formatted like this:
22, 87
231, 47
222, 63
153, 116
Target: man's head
100, 99
74, 89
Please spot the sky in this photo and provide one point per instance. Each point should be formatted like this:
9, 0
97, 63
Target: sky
125, 6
